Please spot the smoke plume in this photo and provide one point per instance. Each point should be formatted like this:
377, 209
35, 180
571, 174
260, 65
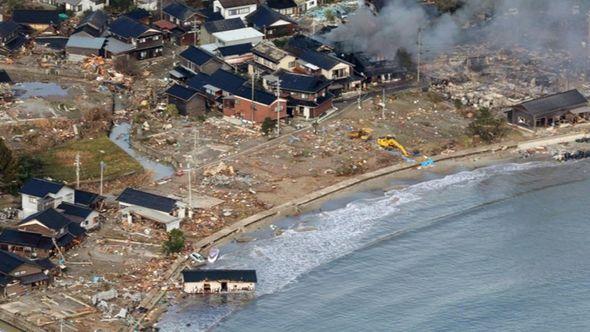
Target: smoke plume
543, 25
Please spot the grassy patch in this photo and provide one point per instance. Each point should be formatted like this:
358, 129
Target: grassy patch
59, 161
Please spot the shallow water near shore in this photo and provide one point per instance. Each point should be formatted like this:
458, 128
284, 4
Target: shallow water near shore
498, 248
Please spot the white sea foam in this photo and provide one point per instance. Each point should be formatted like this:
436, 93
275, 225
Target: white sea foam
282, 259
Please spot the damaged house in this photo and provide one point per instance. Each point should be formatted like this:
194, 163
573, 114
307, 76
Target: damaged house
18, 274
40, 21
268, 58
51, 223
162, 210
553, 110
129, 37
12, 40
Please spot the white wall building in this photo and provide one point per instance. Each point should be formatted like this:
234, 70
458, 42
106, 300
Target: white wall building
238, 36
219, 281
38, 195
234, 8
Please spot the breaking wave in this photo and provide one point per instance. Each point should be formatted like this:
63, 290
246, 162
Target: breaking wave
280, 260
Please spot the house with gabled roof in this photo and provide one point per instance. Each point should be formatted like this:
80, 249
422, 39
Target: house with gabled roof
133, 38
307, 95
144, 205
268, 58
235, 8
551, 110
285, 7
26, 244
182, 15
235, 54
17, 274
271, 23
93, 25
86, 217
188, 101
199, 60
209, 28
39, 194
140, 15
12, 40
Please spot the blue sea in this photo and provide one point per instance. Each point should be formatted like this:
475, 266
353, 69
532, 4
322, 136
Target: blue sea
500, 248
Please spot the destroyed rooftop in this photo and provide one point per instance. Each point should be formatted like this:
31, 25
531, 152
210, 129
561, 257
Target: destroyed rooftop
51, 218
269, 51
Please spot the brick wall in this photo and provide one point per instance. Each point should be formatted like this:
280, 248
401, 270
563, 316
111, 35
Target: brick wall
243, 108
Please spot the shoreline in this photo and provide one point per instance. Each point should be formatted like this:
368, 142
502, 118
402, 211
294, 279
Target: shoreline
444, 164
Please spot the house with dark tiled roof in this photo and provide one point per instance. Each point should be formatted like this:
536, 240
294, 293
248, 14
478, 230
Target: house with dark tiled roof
182, 15
188, 101
307, 95
4, 77
130, 37
209, 28
86, 217
235, 8
26, 244
64, 232
270, 22
268, 58
93, 25
12, 40
140, 15
18, 274
163, 210
38, 20
285, 7
199, 60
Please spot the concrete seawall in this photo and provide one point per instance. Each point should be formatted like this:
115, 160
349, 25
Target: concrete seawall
311, 201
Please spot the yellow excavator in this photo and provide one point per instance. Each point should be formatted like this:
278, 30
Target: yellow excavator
389, 143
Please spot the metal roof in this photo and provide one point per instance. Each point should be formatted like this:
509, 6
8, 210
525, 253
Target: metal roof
238, 34
554, 103
85, 42
115, 46
218, 275
147, 200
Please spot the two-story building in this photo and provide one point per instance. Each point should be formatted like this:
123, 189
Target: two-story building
81, 6
307, 95
254, 105
134, 39
18, 274
39, 194
271, 23
182, 15
188, 101
268, 58
26, 244
64, 232
12, 40
235, 8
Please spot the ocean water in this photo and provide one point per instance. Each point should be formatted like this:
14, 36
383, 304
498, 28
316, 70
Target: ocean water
501, 248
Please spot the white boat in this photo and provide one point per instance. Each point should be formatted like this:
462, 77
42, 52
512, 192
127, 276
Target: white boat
197, 258
213, 254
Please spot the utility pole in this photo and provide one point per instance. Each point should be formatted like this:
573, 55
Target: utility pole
359, 98
102, 167
253, 103
418, 73
278, 107
77, 164
190, 188
383, 104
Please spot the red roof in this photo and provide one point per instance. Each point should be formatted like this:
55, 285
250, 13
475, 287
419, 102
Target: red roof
165, 25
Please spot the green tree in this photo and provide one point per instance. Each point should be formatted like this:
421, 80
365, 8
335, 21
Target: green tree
175, 242
487, 126
329, 14
267, 126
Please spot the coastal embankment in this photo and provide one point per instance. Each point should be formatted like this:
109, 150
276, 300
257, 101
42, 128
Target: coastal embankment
492, 153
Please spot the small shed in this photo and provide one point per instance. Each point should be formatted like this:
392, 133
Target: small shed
219, 281
163, 210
